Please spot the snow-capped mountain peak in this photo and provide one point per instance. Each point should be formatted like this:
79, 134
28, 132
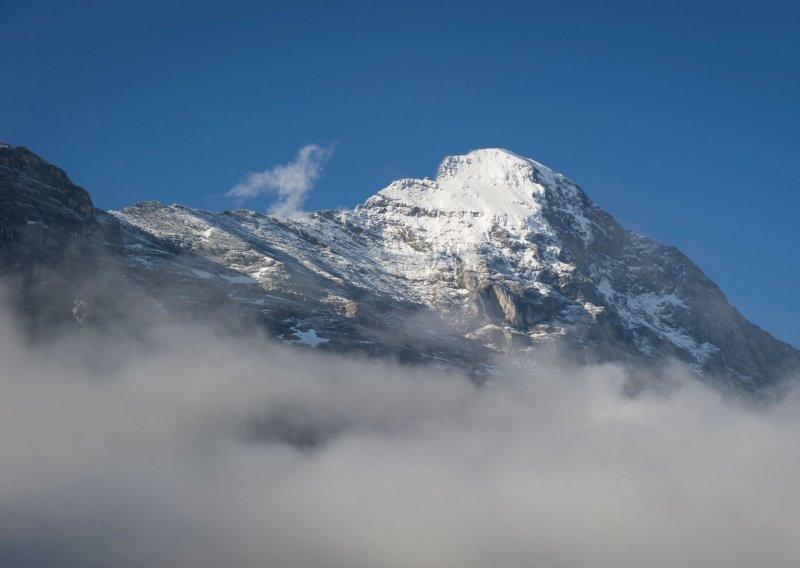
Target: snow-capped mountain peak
497, 255
493, 183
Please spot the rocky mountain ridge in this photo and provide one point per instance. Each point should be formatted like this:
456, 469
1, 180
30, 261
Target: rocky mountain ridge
497, 257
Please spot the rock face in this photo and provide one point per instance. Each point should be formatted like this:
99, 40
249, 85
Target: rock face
497, 255
54, 245
39, 207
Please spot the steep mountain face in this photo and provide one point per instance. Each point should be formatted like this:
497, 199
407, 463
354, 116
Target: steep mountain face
497, 255
54, 245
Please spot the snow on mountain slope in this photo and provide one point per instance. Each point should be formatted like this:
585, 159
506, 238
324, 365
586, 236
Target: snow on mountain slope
507, 253
483, 215
497, 256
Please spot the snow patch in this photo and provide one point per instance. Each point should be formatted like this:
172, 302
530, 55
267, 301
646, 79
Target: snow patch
309, 337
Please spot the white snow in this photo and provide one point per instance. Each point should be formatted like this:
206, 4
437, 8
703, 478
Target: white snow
593, 310
309, 337
474, 192
484, 207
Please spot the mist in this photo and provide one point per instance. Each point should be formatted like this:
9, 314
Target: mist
190, 448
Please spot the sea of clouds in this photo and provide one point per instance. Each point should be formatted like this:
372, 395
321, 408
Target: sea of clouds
187, 448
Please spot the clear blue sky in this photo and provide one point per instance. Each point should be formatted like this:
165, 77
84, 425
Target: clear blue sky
680, 118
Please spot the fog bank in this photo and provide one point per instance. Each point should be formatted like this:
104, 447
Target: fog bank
191, 449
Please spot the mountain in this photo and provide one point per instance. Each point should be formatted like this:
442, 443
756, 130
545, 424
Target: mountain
498, 256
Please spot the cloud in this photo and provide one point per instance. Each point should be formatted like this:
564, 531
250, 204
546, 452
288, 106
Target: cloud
190, 448
292, 182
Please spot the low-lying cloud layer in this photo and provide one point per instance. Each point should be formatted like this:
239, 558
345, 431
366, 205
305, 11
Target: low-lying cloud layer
190, 449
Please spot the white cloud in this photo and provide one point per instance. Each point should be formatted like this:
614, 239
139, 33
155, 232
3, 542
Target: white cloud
191, 449
291, 182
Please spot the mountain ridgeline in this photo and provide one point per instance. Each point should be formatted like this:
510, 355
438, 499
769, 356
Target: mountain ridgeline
498, 257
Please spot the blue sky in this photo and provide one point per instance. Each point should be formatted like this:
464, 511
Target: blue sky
680, 118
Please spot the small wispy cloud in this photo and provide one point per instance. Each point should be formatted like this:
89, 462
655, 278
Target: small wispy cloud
292, 182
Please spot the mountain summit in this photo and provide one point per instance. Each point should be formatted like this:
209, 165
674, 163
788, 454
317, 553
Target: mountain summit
494, 183
498, 256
